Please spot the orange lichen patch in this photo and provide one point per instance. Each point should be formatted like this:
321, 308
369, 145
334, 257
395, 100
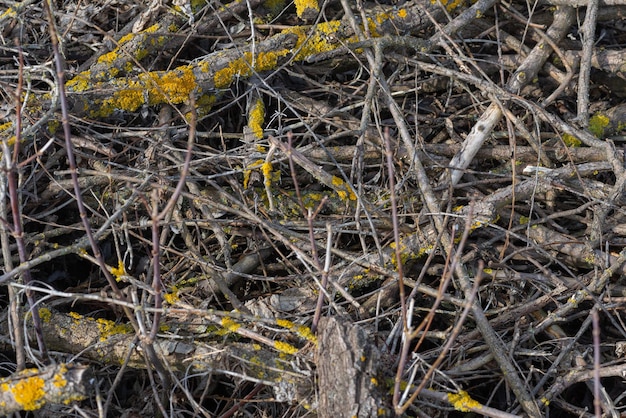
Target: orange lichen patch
404, 254
128, 96
306, 333
312, 200
27, 392
118, 60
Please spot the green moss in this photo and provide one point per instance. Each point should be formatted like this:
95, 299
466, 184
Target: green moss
571, 141
45, 314
274, 6
597, 125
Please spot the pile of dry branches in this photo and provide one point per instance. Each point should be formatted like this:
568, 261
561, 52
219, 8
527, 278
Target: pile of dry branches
333, 208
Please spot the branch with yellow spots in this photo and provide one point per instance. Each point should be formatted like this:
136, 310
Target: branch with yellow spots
115, 83
343, 189
234, 346
31, 389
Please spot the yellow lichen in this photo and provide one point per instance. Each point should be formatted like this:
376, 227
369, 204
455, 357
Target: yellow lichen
312, 200
256, 116
248, 172
243, 67
118, 271
171, 86
8, 13
126, 38
304, 8
266, 168
405, 254
108, 58
171, 297
284, 347
230, 325
151, 88
75, 316
28, 392
53, 125
463, 402
317, 40
80, 82
108, 328
449, 4
343, 190
302, 330
58, 380
284, 323
151, 29
306, 333
45, 314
